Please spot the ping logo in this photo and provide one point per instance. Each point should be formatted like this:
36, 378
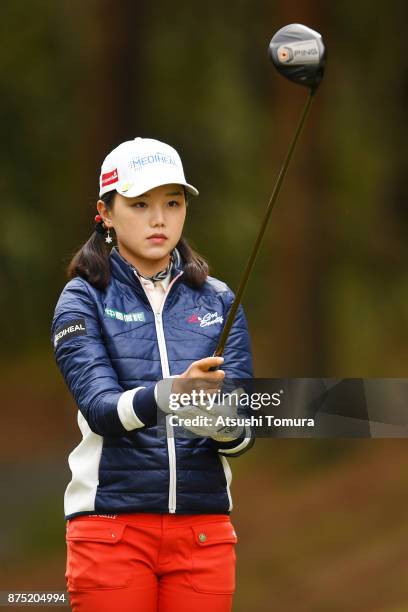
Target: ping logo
208, 319
138, 317
73, 328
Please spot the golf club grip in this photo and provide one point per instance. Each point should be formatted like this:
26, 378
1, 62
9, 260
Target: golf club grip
215, 354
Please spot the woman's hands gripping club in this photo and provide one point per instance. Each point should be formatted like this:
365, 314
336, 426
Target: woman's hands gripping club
173, 397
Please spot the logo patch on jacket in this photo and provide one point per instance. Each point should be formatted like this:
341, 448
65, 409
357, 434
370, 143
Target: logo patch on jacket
126, 317
208, 319
77, 327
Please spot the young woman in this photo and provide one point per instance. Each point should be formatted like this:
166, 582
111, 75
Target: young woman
148, 526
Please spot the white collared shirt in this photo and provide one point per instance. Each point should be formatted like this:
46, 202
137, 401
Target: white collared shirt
155, 291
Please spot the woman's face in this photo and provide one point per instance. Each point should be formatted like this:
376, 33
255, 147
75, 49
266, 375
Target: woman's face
158, 212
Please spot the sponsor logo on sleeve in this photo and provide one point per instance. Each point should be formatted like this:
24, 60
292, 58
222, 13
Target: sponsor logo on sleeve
73, 328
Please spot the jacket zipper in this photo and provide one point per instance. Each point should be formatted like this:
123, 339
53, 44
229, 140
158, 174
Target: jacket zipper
171, 449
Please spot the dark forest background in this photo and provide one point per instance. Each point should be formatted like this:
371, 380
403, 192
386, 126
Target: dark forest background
322, 523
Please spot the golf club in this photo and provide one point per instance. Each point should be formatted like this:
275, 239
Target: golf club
299, 54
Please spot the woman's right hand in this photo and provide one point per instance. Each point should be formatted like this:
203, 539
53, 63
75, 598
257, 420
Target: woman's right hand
197, 376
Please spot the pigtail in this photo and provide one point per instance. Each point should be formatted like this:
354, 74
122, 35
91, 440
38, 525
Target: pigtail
92, 261
195, 266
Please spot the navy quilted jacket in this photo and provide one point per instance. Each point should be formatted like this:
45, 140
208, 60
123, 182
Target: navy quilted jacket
111, 349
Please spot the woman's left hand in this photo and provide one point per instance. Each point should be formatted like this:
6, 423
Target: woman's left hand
217, 421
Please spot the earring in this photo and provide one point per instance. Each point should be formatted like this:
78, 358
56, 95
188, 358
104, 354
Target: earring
108, 238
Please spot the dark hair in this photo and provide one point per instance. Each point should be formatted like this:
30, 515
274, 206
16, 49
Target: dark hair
92, 261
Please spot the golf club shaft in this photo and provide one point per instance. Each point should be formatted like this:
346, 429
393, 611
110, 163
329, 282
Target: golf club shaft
245, 276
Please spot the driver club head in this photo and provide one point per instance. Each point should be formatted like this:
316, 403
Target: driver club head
299, 54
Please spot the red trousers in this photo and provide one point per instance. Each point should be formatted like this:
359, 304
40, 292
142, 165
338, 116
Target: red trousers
151, 563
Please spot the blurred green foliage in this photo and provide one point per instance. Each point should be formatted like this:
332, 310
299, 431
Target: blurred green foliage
328, 294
